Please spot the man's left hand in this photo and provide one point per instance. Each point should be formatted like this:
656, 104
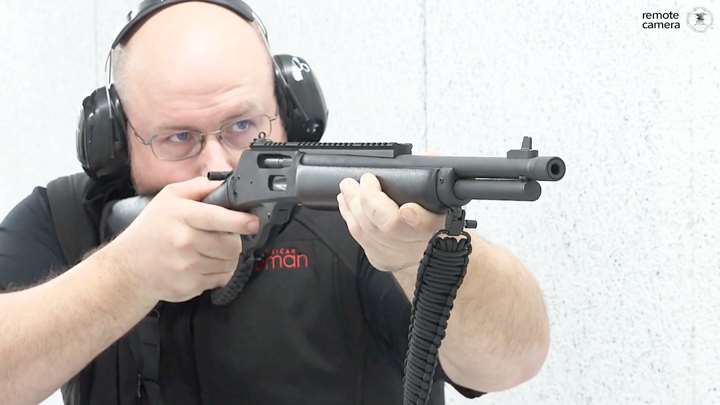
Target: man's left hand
393, 238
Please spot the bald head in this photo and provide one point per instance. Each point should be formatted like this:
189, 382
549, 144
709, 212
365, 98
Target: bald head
192, 39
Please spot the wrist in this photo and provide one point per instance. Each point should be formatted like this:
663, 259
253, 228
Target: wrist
124, 276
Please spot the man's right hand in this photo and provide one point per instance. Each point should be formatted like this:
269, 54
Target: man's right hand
179, 247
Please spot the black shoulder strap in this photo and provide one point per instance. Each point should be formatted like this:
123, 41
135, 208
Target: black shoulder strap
144, 342
74, 228
77, 235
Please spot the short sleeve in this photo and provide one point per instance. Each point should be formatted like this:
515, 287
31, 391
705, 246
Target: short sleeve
466, 392
29, 249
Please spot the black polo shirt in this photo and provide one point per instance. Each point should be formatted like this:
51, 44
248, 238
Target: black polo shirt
316, 324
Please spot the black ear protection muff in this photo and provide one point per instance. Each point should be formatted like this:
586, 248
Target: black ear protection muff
101, 135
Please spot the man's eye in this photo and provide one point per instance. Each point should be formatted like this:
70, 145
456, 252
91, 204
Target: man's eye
241, 126
179, 137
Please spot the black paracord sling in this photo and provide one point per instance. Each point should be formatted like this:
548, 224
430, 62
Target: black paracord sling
227, 294
439, 276
246, 265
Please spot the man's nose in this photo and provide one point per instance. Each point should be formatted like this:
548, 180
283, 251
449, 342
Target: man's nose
215, 157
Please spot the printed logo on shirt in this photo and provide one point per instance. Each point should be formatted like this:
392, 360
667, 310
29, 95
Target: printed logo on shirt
284, 258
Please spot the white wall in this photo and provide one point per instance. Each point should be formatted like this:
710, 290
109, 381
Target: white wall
626, 247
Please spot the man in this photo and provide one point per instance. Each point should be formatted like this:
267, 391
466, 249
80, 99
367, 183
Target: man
290, 337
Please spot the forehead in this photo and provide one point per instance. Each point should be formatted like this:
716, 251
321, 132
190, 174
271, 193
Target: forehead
194, 37
196, 56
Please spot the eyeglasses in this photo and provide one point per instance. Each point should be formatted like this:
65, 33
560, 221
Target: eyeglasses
236, 134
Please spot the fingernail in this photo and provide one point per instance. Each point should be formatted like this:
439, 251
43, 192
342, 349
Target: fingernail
410, 217
253, 226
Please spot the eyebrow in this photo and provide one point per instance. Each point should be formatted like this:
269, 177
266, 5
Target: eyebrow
238, 111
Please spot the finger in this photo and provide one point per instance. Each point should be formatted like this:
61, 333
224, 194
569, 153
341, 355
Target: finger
212, 281
356, 208
214, 218
420, 219
208, 265
368, 181
218, 245
203, 264
350, 191
229, 271
349, 188
381, 210
353, 226
194, 189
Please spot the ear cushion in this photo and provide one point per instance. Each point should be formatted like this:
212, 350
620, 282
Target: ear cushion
100, 139
300, 99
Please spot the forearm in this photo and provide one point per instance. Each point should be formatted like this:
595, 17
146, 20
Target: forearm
497, 334
50, 332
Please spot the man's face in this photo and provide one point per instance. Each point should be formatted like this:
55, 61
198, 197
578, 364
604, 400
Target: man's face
193, 66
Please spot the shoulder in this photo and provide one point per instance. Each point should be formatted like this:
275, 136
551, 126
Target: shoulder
33, 209
29, 249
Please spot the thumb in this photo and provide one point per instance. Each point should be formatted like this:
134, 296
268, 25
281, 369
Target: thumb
421, 219
194, 189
